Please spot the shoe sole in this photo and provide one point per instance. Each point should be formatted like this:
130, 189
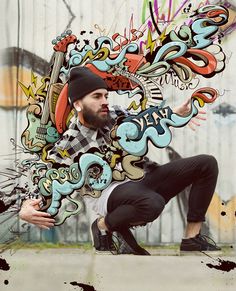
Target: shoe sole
103, 252
200, 253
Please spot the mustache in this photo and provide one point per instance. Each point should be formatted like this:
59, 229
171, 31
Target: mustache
104, 107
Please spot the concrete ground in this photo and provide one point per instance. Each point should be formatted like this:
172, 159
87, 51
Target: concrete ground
66, 269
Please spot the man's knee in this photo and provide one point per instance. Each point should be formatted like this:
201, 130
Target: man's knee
209, 163
155, 206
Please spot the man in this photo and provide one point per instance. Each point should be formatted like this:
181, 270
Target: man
123, 205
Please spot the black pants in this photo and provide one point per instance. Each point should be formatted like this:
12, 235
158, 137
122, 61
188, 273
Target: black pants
135, 203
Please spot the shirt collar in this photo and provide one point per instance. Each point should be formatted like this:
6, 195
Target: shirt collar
89, 132
86, 131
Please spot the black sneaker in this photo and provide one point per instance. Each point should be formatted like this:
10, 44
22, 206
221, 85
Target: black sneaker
102, 243
199, 243
128, 244
123, 247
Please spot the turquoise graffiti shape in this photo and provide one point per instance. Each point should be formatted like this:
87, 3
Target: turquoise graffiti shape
86, 161
136, 143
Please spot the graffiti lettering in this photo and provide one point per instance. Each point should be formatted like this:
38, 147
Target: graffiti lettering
65, 181
133, 134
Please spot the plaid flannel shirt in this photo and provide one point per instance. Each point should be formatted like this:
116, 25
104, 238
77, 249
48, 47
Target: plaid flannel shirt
79, 139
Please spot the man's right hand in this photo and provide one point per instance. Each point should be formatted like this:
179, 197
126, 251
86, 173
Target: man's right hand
30, 212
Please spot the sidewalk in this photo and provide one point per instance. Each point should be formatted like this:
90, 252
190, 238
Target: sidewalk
67, 269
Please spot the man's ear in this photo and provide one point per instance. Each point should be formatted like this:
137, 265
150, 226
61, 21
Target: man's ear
77, 106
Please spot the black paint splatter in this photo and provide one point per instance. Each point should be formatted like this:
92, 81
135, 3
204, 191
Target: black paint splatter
223, 213
4, 207
223, 265
6, 282
186, 10
4, 265
84, 286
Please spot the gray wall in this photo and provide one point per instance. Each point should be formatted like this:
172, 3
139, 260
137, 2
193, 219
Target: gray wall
27, 28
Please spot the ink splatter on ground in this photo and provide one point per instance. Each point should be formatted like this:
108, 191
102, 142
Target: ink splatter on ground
223, 265
4, 265
85, 287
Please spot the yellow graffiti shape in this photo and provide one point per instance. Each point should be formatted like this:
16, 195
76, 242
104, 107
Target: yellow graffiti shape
101, 55
40, 93
44, 156
33, 79
113, 160
200, 101
163, 35
63, 153
129, 169
28, 91
150, 43
143, 104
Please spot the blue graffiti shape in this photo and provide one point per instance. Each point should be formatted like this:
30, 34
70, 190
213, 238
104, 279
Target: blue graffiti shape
68, 213
53, 185
166, 53
184, 34
204, 28
77, 58
198, 34
152, 124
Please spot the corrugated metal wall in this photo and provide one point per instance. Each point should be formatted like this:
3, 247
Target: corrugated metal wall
27, 29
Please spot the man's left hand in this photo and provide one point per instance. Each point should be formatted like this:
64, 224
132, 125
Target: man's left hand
185, 108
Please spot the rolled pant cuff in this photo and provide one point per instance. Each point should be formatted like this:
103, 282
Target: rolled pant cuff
196, 219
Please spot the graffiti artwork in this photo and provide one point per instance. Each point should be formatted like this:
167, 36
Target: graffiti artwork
137, 64
176, 46
128, 65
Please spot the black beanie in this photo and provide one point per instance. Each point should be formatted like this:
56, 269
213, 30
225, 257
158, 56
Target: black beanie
82, 82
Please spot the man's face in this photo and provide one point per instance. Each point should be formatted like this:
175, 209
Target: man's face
94, 108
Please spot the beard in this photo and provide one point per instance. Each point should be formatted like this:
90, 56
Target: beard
93, 118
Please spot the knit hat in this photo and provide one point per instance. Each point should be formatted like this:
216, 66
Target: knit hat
82, 82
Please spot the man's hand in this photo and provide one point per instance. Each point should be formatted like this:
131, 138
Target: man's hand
30, 212
185, 108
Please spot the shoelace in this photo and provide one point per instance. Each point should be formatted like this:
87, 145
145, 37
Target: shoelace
116, 243
108, 240
204, 238
121, 243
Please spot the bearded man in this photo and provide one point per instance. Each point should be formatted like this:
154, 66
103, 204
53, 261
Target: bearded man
125, 204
